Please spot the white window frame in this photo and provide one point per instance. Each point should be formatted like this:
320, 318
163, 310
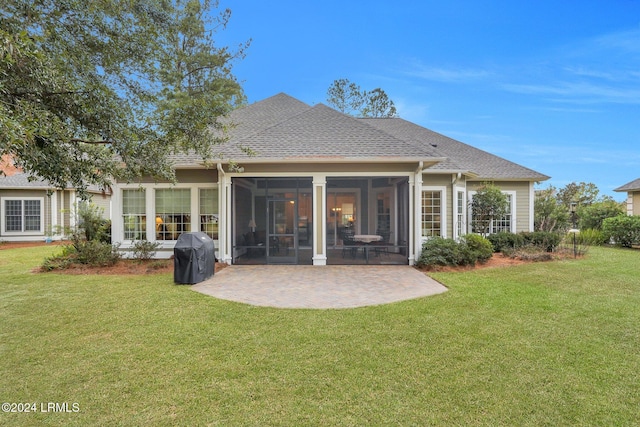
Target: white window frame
23, 232
513, 210
443, 210
150, 199
122, 214
459, 213
216, 216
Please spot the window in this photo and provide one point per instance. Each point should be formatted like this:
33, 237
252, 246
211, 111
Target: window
460, 208
504, 223
431, 213
21, 215
497, 225
173, 213
134, 214
209, 211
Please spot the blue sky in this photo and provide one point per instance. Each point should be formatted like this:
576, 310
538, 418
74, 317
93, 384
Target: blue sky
552, 85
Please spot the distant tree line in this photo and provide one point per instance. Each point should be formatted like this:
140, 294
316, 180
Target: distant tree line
348, 98
553, 207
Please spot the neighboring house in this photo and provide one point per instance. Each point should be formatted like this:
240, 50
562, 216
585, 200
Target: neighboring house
34, 210
633, 196
322, 188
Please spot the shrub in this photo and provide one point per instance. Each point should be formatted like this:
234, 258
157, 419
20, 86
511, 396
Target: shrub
505, 241
589, 237
92, 224
475, 248
592, 216
96, 253
439, 251
93, 253
543, 239
622, 230
144, 250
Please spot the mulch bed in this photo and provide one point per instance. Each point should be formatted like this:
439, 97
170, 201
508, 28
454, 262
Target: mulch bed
127, 266
122, 267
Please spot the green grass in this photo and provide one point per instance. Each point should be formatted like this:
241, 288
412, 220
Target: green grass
539, 344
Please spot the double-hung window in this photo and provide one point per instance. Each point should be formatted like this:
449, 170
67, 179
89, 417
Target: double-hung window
460, 214
209, 211
173, 213
23, 215
432, 211
134, 214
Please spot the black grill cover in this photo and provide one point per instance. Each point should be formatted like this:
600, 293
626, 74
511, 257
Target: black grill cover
194, 258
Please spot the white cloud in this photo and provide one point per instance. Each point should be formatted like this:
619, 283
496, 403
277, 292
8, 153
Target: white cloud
445, 74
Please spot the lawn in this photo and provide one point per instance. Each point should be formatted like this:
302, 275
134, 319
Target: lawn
539, 344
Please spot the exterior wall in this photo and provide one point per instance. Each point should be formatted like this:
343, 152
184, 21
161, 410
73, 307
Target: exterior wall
523, 200
45, 212
633, 203
183, 176
448, 183
102, 201
329, 168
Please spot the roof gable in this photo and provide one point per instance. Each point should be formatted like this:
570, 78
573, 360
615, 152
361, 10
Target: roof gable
630, 186
321, 132
284, 129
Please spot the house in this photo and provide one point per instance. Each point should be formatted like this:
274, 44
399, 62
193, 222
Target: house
321, 188
633, 196
34, 210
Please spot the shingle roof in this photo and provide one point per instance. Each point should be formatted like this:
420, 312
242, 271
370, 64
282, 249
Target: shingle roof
21, 180
460, 156
630, 186
284, 129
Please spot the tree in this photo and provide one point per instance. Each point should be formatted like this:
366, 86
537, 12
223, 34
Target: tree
552, 207
345, 96
550, 214
348, 98
583, 194
593, 216
488, 204
95, 91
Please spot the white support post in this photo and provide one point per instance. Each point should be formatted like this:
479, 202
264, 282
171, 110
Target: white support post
319, 220
416, 248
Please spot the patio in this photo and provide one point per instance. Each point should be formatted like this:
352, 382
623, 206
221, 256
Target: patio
327, 287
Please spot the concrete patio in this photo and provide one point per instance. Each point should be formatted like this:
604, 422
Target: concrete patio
327, 287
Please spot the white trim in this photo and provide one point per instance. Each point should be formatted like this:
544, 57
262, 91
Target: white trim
532, 204
454, 213
166, 246
319, 216
25, 233
73, 210
443, 210
415, 219
514, 219
53, 205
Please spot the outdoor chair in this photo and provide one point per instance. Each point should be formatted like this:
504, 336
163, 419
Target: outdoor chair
382, 246
349, 245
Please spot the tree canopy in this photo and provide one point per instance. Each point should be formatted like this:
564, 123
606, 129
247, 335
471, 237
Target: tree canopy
552, 207
348, 98
487, 204
91, 91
